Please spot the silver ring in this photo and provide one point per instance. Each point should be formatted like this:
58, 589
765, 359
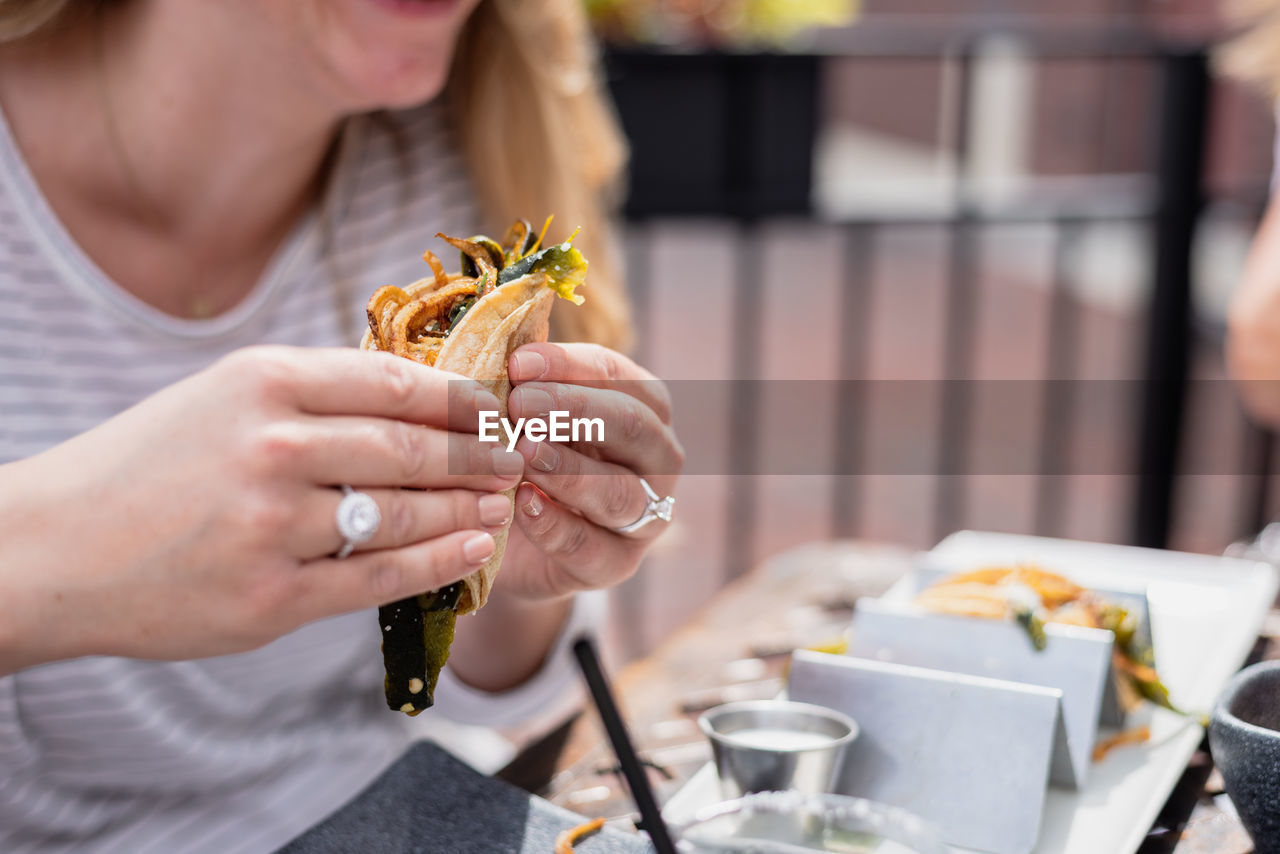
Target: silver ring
358, 518
657, 508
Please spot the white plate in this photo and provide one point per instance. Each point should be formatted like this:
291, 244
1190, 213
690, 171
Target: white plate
1205, 614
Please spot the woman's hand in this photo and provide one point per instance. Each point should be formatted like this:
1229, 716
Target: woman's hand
202, 520
577, 493
561, 541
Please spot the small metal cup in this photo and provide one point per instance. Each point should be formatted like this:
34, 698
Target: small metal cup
772, 745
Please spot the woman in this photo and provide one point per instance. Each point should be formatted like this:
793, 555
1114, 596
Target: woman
187, 665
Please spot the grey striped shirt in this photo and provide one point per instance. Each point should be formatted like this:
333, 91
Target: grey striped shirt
237, 753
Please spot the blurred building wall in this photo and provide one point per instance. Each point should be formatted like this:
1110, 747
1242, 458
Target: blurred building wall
884, 148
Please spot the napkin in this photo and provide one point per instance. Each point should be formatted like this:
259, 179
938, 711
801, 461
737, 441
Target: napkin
429, 801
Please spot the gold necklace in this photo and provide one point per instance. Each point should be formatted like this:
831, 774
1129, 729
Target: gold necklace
199, 305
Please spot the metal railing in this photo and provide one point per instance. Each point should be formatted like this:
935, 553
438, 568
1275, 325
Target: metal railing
1172, 204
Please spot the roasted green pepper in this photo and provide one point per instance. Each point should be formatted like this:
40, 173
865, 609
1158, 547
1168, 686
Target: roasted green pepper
416, 635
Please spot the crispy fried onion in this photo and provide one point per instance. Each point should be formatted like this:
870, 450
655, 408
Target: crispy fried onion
413, 322
1137, 735
568, 838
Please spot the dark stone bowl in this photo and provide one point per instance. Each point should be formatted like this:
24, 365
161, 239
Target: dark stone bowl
1244, 735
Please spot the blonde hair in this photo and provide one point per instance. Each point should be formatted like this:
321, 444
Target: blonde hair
1254, 55
22, 18
537, 132
539, 136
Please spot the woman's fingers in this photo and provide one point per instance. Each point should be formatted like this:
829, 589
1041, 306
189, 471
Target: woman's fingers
347, 381
367, 579
633, 434
592, 366
408, 516
586, 556
382, 452
606, 494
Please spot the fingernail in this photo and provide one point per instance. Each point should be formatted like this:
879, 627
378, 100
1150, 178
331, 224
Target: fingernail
528, 366
507, 463
484, 400
478, 549
546, 457
495, 510
533, 507
533, 401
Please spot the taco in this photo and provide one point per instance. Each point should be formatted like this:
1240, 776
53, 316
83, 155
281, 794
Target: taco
468, 323
1033, 598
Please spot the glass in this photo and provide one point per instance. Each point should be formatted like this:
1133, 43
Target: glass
794, 823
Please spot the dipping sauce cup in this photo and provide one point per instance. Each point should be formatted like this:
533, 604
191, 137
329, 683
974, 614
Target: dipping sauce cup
771, 745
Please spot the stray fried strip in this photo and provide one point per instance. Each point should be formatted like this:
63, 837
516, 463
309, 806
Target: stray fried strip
424, 319
479, 255
437, 269
413, 322
442, 300
1137, 735
426, 351
1138, 671
568, 838
382, 307
401, 334
515, 242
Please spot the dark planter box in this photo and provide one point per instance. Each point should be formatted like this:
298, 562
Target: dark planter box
718, 134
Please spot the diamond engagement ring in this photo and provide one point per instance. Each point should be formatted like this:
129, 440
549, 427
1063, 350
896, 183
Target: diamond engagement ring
358, 519
657, 508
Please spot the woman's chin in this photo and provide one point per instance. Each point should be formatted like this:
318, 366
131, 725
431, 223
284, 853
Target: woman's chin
399, 95
389, 53
379, 84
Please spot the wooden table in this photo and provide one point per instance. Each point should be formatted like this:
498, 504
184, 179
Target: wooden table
737, 649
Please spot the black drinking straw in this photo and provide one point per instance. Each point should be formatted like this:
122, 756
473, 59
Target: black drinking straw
632, 770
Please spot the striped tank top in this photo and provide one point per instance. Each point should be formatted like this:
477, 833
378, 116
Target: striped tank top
236, 753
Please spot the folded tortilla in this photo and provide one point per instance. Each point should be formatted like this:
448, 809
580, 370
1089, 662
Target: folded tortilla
515, 314
440, 321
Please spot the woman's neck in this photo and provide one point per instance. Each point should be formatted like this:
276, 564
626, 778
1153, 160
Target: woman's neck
140, 128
